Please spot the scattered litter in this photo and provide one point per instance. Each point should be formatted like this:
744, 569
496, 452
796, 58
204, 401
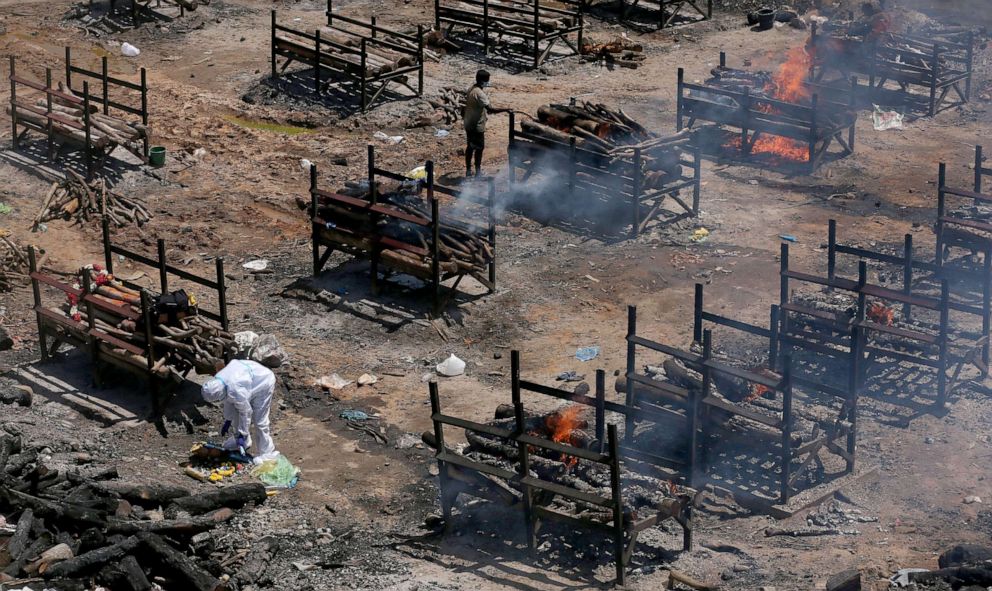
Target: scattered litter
267, 351
788, 237
244, 341
700, 235
591, 278
303, 567
199, 153
332, 382
354, 415
419, 173
442, 133
256, 265
278, 471
129, 50
367, 379
886, 119
970, 499
305, 165
570, 376
390, 139
5, 209
451, 367
587, 353
408, 441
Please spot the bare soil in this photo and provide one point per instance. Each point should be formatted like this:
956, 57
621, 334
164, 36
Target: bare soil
209, 88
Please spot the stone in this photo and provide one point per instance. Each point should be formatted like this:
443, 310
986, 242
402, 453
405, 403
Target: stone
964, 554
848, 580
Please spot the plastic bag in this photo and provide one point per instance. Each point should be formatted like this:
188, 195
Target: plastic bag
244, 341
332, 382
883, 120
268, 352
129, 50
390, 139
451, 367
587, 353
277, 472
419, 173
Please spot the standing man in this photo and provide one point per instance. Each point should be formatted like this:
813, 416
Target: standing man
477, 107
246, 389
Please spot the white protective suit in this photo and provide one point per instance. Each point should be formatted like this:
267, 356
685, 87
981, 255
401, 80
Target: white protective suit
246, 388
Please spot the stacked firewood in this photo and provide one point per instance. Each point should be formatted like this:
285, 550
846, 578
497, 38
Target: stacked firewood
84, 528
448, 105
13, 264
462, 249
76, 199
613, 134
379, 58
186, 342
106, 131
620, 52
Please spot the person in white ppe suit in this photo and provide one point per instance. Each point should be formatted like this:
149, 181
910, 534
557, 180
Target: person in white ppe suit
246, 388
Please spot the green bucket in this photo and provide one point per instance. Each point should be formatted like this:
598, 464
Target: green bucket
156, 155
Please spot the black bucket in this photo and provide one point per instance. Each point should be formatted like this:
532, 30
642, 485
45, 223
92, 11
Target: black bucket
766, 18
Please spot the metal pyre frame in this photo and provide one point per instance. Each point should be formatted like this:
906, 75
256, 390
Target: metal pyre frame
771, 430
533, 22
955, 230
352, 61
424, 261
816, 125
58, 128
103, 347
614, 182
670, 10
936, 63
460, 475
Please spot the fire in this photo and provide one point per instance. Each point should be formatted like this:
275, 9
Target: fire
787, 85
881, 314
788, 82
561, 425
757, 391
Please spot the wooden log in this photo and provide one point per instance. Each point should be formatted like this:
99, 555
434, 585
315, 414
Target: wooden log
548, 133
257, 560
179, 567
183, 527
92, 560
47, 559
22, 535
125, 574
234, 496
675, 576
53, 509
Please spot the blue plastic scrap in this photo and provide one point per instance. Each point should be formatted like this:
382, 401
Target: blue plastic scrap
788, 237
354, 415
587, 353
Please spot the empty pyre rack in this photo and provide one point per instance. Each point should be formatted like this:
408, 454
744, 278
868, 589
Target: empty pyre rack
600, 167
404, 231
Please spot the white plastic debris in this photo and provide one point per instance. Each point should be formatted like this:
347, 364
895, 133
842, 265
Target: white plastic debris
389, 139
883, 120
268, 352
367, 379
970, 499
451, 367
442, 133
256, 265
129, 50
244, 340
305, 165
332, 382
901, 578
199, 153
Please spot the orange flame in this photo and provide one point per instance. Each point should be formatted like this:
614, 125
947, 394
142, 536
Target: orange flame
757, 391
562, 425
881, 314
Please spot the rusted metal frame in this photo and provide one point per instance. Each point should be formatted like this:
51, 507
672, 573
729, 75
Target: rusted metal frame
160, 263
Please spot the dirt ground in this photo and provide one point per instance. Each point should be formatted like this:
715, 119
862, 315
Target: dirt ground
557, 291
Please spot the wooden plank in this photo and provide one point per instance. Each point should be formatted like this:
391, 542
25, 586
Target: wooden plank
742, 412
49, 280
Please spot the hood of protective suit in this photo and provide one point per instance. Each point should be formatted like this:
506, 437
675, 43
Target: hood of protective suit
213, 390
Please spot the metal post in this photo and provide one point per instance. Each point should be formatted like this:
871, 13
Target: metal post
600, 409
697, 314
635, 195
679, 123
316, 62
492, 233
420, 60
695, 403
446, 499
314, 230
907, 274
783, 290
941, 183
515, 376
163, 272
697, 165
435, 241
222, 294
329, 12
68, 68
617, 498
511, 144
49, 123
786, 430
108, 255
978, 171
631, 371
934, 75
831, 253
524, 470
86, 125
537, 33
364, 58
106, 85
36, 293
272, 54
13, 104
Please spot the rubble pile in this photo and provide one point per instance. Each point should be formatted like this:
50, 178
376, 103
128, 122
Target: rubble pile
13, 264
621, 51
78, 527
75, 199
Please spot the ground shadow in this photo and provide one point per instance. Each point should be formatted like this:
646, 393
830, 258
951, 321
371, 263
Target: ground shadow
32, 157
512, 55
337, 93
641, 18
122, 399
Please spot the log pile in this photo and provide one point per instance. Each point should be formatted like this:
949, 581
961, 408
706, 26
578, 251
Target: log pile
613, 134
80, 527
620, 52
448, 105
106, 131
461, 249
13, 264
186, 342
379, 60
75, 199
